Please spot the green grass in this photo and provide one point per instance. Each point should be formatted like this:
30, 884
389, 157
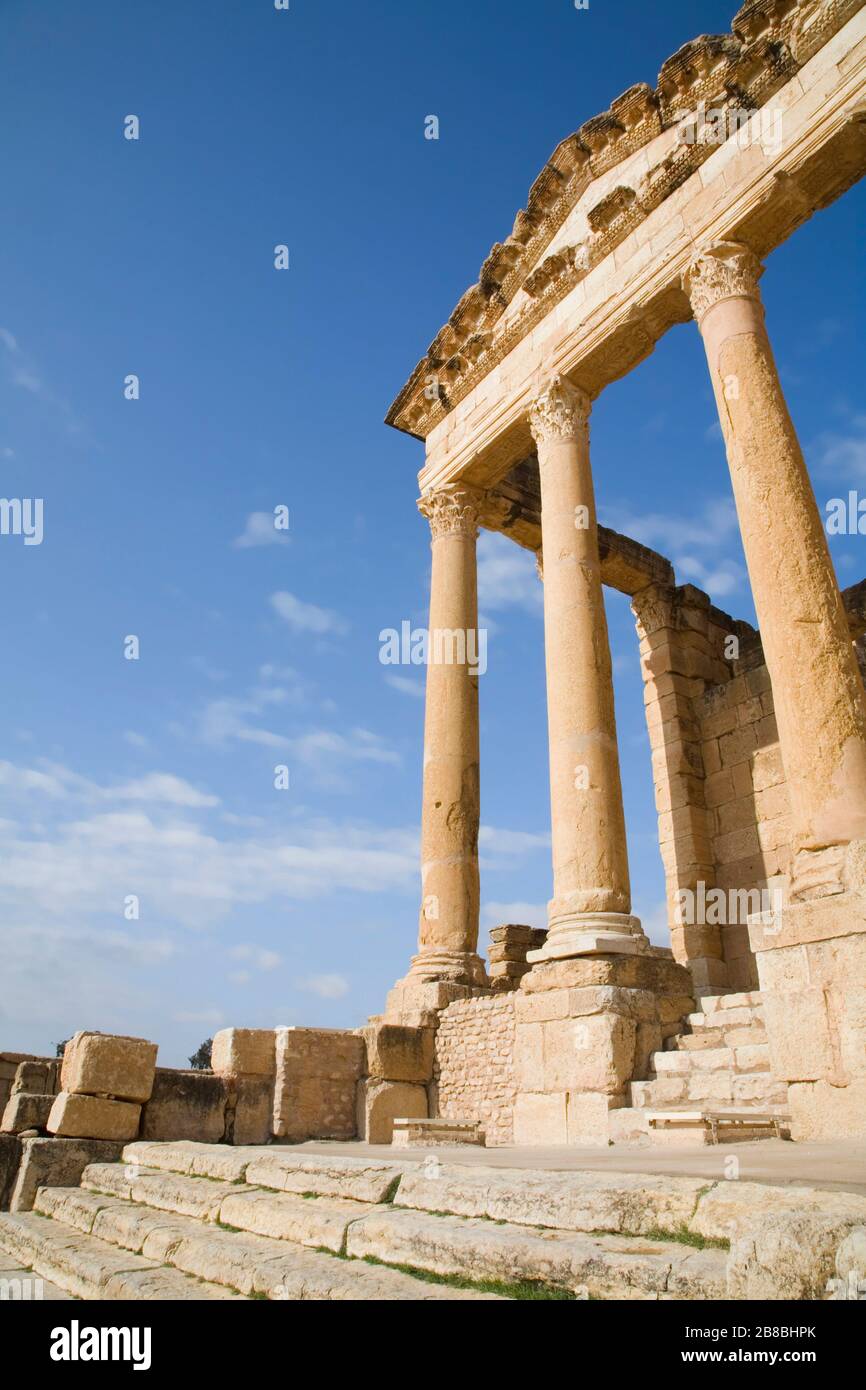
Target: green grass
522, 1290
683, 1236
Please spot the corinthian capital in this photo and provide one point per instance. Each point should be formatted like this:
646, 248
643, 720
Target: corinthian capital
561, 411
452, 510
722, 272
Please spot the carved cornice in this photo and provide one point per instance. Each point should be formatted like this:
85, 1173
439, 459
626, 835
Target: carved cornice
723, 271
561, 411
771, 41
453, 510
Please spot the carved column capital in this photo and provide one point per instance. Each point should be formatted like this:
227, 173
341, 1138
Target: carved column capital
561, 411
722, 271
653, 608
452, 510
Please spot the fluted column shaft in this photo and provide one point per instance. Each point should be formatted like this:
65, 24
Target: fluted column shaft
818, 691
590, 908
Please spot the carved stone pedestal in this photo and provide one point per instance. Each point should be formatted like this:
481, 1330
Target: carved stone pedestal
585, 1028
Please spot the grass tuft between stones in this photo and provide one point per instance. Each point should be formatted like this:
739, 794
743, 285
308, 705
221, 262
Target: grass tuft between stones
683, 1236
522, 1290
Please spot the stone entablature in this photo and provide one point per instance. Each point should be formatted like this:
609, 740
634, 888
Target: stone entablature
602, 183
611, 319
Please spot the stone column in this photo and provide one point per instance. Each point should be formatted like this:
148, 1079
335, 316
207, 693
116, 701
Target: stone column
817, 687
447, 965
590, 912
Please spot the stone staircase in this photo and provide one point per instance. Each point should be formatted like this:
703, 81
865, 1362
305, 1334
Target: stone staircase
198, 1222
719, 1066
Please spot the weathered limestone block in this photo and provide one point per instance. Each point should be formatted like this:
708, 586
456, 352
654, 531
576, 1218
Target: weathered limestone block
786, 1257
398, 1053
10, 1156
25, 1111
37, 1078
244, 1052
812, 968
250, 1109
380, 1103
318, 1070
75, 1116
584, 1029
54, 1162
186, 1105
851, 1255
103, 1064
9, 1064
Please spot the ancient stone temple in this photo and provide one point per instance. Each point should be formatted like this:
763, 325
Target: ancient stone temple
664, 208
121, 1179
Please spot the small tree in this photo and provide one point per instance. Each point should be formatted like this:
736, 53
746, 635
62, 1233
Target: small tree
200, 1059
60, 1048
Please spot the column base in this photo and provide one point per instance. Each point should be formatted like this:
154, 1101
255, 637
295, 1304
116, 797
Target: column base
435, 980
592, 934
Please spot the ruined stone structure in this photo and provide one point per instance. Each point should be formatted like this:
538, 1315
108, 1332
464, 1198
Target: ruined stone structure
116, 1179
662, 209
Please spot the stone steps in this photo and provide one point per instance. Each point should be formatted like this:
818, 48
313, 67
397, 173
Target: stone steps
721, 1062
127, 1232
133, 1227
604, 1265
92, 1269
21, 1285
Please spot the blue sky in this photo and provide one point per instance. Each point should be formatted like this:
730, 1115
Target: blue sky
155, 777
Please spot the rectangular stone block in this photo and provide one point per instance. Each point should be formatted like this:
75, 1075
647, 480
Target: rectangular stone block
252, 1122
186, 1105
37, 1078
25, 1111
595, 1053
541, 1119
244, 1052
105, 1064
399, 1053
76, 1116
380, 1103
588, 1118
51, 1162
318, 1070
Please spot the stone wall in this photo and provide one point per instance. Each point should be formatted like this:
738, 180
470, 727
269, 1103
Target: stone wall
747, 799
722, 802
473, 1073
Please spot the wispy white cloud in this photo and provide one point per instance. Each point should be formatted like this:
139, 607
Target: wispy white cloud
260, 529
507, 576
306, 617
694, 543
406, 685
495, 841
326, 986
496, 914
842, 453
